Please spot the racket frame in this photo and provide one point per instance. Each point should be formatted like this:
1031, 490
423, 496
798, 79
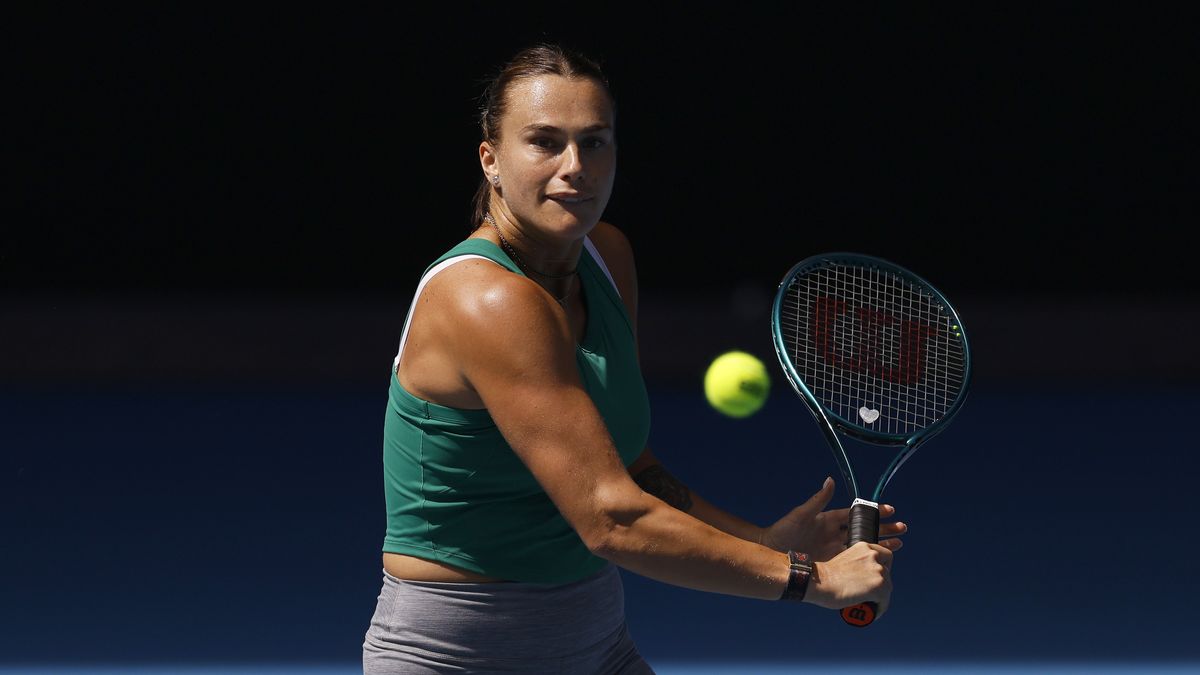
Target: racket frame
828, 420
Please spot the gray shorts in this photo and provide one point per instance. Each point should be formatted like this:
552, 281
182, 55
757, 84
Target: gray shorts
429, 627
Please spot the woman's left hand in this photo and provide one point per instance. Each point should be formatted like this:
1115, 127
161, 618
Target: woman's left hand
822, 534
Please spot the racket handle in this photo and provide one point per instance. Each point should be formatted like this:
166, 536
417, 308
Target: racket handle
864, 526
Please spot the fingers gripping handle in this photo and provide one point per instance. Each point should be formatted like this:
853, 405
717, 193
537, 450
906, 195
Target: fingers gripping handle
864, 526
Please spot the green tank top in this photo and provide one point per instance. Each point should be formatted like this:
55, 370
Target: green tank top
457, 493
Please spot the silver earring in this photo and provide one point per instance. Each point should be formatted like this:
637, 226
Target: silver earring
495, 180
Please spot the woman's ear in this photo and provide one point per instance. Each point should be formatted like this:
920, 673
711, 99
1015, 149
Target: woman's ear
489, 160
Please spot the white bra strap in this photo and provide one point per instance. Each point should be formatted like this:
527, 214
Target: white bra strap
587, 242
420, 287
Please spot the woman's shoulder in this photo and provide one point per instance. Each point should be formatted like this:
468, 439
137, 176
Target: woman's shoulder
465, 322
612, 243
614, 247
477, 293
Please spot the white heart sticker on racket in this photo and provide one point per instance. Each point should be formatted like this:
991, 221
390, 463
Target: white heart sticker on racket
868, 415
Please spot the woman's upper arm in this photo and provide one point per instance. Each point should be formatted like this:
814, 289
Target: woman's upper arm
516, 350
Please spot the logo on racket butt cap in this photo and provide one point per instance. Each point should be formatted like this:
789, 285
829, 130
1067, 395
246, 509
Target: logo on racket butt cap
859, 615
868, 415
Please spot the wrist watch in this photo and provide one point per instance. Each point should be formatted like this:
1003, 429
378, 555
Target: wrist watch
801, 571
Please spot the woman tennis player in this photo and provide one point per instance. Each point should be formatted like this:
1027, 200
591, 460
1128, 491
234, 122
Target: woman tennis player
516, 473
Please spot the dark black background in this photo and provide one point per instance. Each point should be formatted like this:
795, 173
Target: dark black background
995, 148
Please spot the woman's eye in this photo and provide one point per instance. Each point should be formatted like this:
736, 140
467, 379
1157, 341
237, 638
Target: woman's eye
547, 143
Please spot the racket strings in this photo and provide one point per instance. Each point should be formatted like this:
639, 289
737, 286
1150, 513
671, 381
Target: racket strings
875, 349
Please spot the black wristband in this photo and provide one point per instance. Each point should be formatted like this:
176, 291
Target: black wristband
801, 572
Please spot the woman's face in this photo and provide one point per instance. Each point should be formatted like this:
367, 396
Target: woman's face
556, 155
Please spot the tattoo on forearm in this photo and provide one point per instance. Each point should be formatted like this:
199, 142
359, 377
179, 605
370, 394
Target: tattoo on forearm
656, 481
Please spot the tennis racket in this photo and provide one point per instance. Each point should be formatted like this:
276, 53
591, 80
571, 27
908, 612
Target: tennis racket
878, 355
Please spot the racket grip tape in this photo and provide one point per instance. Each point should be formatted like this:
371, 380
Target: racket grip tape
864, 526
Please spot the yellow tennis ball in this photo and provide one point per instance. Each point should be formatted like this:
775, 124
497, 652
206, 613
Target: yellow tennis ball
737, 384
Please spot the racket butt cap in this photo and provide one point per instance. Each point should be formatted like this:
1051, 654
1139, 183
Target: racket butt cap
860, 615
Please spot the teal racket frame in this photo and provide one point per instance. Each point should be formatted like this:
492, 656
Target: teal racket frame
828, 420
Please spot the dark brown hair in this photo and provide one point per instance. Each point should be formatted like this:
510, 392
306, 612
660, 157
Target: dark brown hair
541, 59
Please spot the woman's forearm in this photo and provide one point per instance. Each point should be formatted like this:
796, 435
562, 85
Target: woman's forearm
659, 541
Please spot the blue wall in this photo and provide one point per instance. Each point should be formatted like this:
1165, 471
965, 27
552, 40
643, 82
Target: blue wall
184, 524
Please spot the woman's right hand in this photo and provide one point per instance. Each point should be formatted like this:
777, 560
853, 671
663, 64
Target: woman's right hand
861, 573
